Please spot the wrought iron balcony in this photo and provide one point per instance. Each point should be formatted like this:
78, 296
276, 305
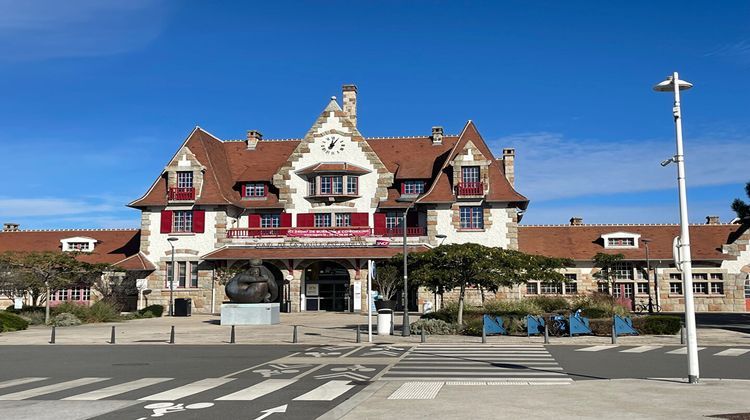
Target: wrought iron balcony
470, 189
181, 194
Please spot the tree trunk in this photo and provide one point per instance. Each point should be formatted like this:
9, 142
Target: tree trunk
481, 292
461, 304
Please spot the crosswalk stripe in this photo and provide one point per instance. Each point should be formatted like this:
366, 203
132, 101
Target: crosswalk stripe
326, 392
187, 390
596, 348
258, 390
640, 349
468, 373
469, 368
100, 394
417, 391
732, 352
682, 350
470, 362
48, 389
484, 358
19, 381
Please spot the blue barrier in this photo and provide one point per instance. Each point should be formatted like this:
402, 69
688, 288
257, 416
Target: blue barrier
578, 325
624, 326
493, 325
534, 325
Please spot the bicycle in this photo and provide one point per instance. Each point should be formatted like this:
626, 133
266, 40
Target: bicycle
642, 307
558, 325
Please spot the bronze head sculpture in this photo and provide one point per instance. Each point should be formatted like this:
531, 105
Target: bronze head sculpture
254, 285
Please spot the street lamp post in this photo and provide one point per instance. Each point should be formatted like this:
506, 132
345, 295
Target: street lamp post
648, 277
171, 281
674, 84
405, 321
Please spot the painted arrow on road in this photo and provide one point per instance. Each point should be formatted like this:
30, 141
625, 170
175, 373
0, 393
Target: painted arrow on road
348, 375
266, 413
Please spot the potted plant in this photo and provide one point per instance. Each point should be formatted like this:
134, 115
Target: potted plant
386, 282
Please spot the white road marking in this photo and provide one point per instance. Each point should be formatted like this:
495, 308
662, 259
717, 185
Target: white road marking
732, 352
117, 389
19, 381
417, 391
326, 392
392, 373
470, 368
62, 386
258, 390
187, 390
682, 350
596, 348
640, 349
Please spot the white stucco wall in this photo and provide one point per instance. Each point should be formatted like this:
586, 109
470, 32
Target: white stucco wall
494, 235
201, 242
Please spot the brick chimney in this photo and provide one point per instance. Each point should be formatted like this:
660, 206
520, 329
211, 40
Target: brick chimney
253, 137
713, 220
350, 102
437, 136
10, 227
576, 221
509, 165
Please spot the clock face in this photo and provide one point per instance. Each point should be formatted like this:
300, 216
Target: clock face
332, 144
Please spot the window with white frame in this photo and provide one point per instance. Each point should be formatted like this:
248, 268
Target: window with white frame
621, 242
343, 219
338, 185
311, 187
352, 185
75, 293
393, 219
469, 174
185, 179
269, 221
326, 185
254, 190
182, 221
532, 288
623, 271
63, 294
78, 246
413, 187
86, 293
717, 288
641, 288
675, 287
602, 287
170, 275
550, 288
181, 270
471, 217
700, 288
623, 290
322, 220
571, 284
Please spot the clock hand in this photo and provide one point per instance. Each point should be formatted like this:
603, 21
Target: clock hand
333, 143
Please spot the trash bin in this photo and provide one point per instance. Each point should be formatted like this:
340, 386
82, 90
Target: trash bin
183, 307
385, 319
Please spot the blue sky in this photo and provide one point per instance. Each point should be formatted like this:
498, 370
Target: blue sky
96, 96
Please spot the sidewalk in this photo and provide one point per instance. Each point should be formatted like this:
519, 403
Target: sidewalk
314, 328
617, 399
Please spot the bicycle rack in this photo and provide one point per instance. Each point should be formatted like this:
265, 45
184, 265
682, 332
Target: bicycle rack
578, 325
624, 326
534, 325
493, 325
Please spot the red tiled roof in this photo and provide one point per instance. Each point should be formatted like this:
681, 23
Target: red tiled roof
234, 253
333, 167
412, 157
583, 242
111, 247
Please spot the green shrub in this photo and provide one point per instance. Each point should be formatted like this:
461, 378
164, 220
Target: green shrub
34, 317
472, 326
12, 322
65, 320
599, 305
80, 311
601, 326
521, 307
102, 312
550, 304
156, 310
148, 314
658, 324
433, 327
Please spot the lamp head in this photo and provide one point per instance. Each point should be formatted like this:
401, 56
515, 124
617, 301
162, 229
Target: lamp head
668, 85
172, 239
441, 236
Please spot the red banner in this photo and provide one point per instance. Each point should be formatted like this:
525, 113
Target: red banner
328, 233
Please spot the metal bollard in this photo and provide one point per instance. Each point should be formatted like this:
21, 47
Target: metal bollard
171, 335
546, 334
231, 336
359, 333
614, 331
682, 334
423, 336
112, 336
52, 336
484, 334
294, 335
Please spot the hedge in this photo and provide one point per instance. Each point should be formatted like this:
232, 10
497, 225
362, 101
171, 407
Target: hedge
12, 322
156, 310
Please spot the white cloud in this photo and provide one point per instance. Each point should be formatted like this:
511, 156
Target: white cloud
735, 49
550, 166
42, 29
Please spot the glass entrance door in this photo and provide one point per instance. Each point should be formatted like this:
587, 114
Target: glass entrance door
327, 287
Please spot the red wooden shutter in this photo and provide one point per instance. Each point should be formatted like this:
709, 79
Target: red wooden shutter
199, 221
285, 220
253, 220
166, 221
243, 189
403, 186
265, 190
305, 220
360, 219
379, 223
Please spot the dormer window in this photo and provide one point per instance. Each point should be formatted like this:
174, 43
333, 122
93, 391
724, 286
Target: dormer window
185, 179
254, 190
78, 244
333, 185
617, 240
412, 187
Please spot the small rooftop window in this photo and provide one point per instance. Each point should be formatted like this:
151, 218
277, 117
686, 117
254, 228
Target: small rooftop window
621, 240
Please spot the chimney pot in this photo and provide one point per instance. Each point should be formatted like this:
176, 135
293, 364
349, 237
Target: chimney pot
349, 93
713, 220
10, 227
576, 221
253, 137
509, 165
437, 135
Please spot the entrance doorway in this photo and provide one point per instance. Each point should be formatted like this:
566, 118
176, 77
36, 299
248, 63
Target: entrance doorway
326, 287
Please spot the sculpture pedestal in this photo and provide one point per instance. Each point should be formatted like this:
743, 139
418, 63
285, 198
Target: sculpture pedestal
250, 313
